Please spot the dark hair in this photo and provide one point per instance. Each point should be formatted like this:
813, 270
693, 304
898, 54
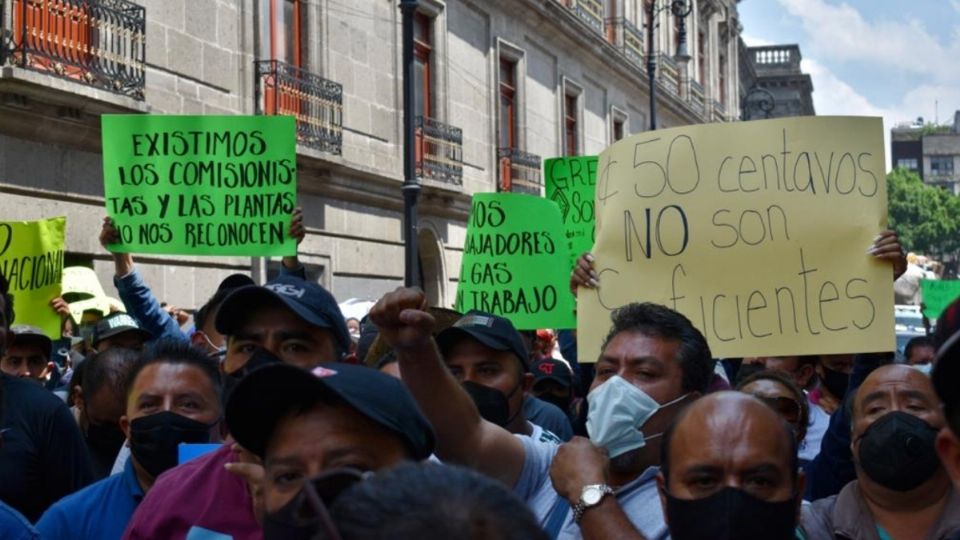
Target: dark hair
108, 368
429, 500
170, 351
654, 320
390, 357
206, 311
791, 385
919, 341
668, 440
7, 302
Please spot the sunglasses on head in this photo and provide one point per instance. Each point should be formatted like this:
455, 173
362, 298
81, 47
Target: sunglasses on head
788, 408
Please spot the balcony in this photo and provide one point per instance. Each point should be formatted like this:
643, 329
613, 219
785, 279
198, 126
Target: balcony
719, 112
696, 97
315, 102
589, 11
628, 38
669, 75
98, 43
519, 172
439, 151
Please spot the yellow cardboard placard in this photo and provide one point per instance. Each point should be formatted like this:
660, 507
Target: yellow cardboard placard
31, 258
756, 231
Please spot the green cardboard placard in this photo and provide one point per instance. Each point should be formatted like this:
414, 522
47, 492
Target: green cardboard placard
201, 185
571, 183
31, 258
937, 295
511, 262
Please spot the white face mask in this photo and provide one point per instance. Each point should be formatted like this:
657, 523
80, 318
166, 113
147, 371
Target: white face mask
617, 411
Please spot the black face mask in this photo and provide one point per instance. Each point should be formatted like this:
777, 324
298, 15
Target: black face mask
105, 441
731, 514
306, 516
493, 405
898, 451
835, 382
154, 439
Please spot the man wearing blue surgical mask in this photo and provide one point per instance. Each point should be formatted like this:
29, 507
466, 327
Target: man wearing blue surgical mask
653, 362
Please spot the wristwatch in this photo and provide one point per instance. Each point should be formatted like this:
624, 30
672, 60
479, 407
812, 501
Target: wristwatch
590, 496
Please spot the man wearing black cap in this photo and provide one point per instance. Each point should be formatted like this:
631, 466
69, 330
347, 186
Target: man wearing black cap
302, 422
487, 355
28, 355
143, 305
553, 383
289, 320
119, 330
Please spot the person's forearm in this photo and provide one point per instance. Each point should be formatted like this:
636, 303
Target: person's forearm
607, 520
122, 263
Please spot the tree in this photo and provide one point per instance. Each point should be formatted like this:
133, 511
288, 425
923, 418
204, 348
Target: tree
927, 218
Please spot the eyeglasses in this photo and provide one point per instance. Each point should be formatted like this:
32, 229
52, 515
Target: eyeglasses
309, 509
788, 408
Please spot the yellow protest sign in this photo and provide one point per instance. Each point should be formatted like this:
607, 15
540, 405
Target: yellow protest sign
756, 231
31, 258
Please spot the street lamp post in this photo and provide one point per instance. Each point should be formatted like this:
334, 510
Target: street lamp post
411, 184
680, 10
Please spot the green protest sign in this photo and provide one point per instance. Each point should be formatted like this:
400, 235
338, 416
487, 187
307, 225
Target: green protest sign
201, 185
31, 258
937, 295
511, 262
571, 182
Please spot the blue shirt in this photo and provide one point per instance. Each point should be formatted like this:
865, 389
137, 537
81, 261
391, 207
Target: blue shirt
638, 499
13, 526
100, 511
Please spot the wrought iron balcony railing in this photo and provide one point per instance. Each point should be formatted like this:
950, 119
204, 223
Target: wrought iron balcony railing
99, 43
519, 171
628, 38
439, 151
315, 102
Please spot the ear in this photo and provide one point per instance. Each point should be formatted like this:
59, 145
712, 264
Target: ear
527, 382
125, 426
948, 447
804, 375
662, 492
197, 339
78, 397
801, 489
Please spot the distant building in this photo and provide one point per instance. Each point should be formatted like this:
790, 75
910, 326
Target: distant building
933, 152
772, 84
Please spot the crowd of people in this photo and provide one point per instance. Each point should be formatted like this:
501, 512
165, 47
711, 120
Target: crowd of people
273, 417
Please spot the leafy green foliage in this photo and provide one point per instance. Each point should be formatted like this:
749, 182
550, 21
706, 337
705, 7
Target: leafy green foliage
927, 218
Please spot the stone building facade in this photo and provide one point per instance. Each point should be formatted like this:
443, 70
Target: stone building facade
501, 85
931, 151
772, 84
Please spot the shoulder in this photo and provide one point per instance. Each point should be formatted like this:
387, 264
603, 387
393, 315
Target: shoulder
202, 469
816, 518
14, 526
31, 395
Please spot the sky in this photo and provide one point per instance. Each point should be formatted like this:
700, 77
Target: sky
892, 58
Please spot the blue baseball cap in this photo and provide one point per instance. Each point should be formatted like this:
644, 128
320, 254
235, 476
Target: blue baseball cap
262, 398
490, 330
306, 299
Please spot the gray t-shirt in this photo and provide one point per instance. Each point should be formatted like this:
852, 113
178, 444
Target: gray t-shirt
638, 499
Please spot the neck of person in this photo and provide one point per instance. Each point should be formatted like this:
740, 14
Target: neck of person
144, 478
519, 425
628, 467
915, 510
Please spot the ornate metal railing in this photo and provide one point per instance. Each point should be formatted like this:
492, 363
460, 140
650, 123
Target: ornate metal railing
99, 43
315, 102
590, 12
519, 171
439, 151
628, 39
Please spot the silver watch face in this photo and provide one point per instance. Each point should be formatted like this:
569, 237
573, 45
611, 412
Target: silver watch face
591, 495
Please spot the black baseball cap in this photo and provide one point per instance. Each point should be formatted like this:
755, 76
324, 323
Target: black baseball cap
490, 330
265, 395
306, 299
25, 335
235, 281
115, 324
946, 376
553, 370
